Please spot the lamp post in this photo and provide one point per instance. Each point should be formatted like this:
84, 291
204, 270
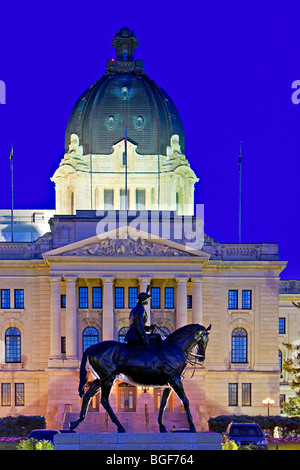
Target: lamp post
268, 402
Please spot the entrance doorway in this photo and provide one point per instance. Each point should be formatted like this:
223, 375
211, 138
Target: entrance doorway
126, 397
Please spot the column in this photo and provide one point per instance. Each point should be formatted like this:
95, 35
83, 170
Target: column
197, 300
181, 302
55, 319
71, 317
144, 282
108, 309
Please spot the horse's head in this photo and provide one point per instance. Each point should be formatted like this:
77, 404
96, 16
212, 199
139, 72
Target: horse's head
201, 344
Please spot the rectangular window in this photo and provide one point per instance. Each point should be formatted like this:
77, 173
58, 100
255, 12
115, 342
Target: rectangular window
83, 297
132, 296
97, 297
169, 297
233, 394
5, 395
282, 325
282, 399
5, 298
189, 301
63, 345
119, 297
246, 394
140, 199
108, 199
232, 299
19, 298
155, 297
246, 299
63, 301
19, 395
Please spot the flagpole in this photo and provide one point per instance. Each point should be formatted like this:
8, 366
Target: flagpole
12, 191
240, 193
126, 191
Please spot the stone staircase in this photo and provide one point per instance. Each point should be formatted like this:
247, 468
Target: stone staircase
133, 422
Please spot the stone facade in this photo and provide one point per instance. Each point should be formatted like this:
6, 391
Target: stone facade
51, 329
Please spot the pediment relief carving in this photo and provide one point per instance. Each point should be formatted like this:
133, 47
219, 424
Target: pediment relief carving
126, 247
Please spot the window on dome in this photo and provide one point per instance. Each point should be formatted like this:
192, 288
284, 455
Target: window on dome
111, 123
124, 93
139, 124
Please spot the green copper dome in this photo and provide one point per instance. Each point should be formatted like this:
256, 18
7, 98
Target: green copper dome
125, 97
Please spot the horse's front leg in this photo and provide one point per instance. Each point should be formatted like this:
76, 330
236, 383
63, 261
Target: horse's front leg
94, 388
177, 386
163, 404
105, 391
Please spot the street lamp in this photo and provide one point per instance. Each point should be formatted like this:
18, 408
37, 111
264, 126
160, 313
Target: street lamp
268, 402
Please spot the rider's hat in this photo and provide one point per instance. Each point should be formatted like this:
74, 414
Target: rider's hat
144, 295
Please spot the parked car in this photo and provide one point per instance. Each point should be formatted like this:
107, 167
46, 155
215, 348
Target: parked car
43, 434
247, 434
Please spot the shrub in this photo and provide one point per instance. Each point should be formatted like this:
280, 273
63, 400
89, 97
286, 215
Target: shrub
20, 426
34, 444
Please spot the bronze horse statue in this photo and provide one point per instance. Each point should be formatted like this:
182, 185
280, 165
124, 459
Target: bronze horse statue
161, 364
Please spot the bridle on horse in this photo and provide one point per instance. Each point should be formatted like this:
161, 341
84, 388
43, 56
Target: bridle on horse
195, 362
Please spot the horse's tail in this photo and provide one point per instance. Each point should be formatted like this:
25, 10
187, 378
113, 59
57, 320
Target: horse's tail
83, 374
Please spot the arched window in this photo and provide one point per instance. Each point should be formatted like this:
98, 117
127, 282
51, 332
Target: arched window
122, 333
12, 345
89, 336
239, 340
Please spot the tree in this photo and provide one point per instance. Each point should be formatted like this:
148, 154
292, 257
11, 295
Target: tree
292, 366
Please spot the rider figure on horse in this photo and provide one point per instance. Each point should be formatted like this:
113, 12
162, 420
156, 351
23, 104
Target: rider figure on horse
137, 333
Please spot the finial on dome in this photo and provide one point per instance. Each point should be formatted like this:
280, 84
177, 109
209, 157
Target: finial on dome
125, 43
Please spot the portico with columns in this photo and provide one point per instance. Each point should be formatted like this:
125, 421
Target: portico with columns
178, 270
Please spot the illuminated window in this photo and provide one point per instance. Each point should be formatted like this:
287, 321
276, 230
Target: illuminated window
239, 346
5, 298
232, 299
132, 296
97, 297
155, 297
19, 298
246, 394
90, 336
5, 394
119, 297
83, 297
169, 297
281, 325
19, 395
12, 345
232, 394
247, 299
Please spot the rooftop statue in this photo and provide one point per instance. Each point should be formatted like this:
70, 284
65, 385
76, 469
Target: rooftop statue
143, 361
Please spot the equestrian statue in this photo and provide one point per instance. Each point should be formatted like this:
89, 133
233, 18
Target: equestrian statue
144, 359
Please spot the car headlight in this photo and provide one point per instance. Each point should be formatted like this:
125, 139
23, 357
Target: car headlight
263, 441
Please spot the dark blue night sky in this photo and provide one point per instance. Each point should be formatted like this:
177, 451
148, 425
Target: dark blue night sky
229, 68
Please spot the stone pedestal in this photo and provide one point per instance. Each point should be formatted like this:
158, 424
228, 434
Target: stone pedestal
157, 441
